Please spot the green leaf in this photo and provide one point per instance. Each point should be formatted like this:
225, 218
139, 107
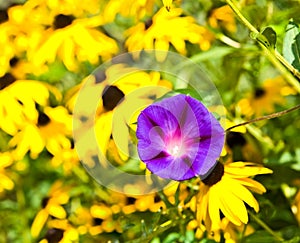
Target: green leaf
260, 236
172, 237
267, 37
291, 44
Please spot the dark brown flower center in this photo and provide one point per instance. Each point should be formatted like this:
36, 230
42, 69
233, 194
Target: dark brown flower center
215, 176
131, 200
6, 80
43, 119
111, 96
234, 139
97, 221
259, 92
13, 62
3, 15
148, 23
62, 21
54, 235
45, 201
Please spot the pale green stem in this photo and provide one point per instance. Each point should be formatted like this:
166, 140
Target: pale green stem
277, 59
265, 226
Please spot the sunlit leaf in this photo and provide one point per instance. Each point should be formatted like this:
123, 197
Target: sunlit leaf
291, 44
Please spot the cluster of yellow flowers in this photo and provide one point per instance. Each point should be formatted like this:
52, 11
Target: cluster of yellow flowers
49, 48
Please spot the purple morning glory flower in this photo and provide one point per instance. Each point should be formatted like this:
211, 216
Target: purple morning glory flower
178, 138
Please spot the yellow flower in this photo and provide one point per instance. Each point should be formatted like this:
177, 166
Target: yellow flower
121, 101
223, 17
52, 206
167, 28
130, 8
67, 158
61, 40
18, 100
22, 32
6, 182
62, 231
167, 4
227, 190
9, 51
50, 130
264, 98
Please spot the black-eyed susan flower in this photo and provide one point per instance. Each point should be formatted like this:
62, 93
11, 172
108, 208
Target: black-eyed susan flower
271, 93
6, 183
130, 8
118, 111
9, 51
165, 29
227, 190
22, 32
223, 17
62, 231
18, 99
67, 159
52, 206
62, 41
51, 130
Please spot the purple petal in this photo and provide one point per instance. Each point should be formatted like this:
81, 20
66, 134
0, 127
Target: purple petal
178, 138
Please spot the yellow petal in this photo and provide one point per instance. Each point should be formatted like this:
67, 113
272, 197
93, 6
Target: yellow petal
252, 185
233, 208
38, 223
244, 194
214, 206
56, 211
6, 182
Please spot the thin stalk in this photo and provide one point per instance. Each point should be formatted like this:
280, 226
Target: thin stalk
267, 117
265, 226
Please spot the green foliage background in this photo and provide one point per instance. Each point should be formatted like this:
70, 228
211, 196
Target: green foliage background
239, 63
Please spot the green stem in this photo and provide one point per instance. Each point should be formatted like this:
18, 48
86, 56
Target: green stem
267, 117
277, 59
265, 226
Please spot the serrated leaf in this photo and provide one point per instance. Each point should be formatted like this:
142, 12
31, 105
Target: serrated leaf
291, 44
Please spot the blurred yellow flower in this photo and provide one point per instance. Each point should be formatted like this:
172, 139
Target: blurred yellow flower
62, 231
223, 17
61, 40
52, 206
137, 9
18, 99
167, 28
227, 190
51, 130
272, 92
118, 108
67, 158
6, 183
